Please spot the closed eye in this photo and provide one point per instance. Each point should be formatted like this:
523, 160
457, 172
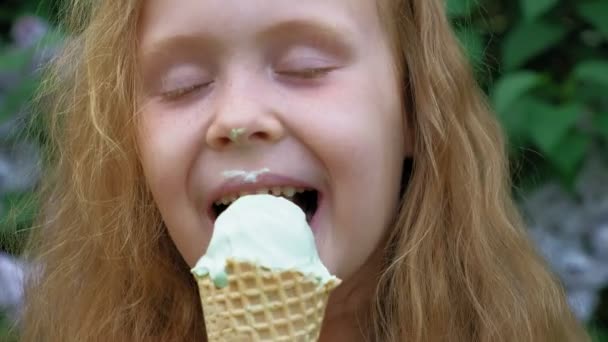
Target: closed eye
178, 93
307, 73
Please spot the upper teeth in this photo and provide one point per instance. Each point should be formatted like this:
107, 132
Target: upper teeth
287, 191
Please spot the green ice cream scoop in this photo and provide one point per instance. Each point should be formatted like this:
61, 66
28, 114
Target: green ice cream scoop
269, 231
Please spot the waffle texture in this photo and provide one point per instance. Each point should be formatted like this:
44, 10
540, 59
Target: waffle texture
263, 305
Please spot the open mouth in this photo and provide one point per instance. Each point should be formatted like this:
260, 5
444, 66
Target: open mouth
306, 199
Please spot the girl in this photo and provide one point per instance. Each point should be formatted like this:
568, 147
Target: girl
166, 111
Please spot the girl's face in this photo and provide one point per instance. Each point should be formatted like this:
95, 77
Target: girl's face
311, 86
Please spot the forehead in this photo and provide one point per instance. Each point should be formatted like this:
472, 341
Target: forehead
242, 19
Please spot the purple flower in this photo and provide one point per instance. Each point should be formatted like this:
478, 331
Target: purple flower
12, 277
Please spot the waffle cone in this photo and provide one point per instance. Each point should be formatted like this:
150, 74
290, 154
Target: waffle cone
263, 305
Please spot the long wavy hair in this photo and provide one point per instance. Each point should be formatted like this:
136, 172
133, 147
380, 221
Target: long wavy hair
459, 266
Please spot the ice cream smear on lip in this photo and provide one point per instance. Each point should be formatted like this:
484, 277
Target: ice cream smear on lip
265, 230
247, 176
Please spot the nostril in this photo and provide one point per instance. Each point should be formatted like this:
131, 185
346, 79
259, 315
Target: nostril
259, 136
223, 141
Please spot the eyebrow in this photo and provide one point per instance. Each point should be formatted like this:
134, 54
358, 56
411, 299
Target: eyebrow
316, 31
168, 47
333, 36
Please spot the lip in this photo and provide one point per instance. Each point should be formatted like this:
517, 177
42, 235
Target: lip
267, 180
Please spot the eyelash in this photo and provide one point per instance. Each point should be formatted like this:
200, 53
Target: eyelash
178, 93
308, 73
305, 74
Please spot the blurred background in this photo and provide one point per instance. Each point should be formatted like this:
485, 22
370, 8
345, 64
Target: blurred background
542, 63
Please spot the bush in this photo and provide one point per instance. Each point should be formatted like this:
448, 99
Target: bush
544, 67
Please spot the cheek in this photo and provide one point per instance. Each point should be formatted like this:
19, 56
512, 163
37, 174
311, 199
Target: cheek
162, 166
167, 151
357, 122
168, 141
359, 139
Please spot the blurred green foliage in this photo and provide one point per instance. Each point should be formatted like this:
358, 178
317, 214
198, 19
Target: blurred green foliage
598, 335
16, 221
12, 9
17, 70
7, 332
544, 66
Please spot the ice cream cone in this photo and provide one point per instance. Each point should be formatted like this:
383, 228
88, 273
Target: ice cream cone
260, 304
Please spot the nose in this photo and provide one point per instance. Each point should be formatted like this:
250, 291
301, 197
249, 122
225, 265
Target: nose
242, 118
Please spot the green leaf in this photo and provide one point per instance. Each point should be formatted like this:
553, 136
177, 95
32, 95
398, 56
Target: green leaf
594, 13
569, 153
14, 60
598, 334
17, 98
7, 14
52, 38
472, 42
515, 123
21, 209
460, 8
549, 125
7, 330
593, 71
511, 87
535, 8
601, 124
528, 40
